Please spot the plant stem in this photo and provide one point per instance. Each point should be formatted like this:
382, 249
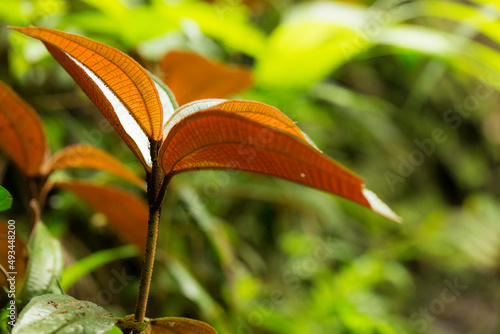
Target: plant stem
147, 266
156, 192
35, 185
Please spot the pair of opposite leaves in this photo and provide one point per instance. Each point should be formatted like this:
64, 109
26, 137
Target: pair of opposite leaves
25, 142
203, 134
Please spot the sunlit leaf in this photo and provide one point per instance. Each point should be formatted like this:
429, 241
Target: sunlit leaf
116, 83
45, 265
125, 211
478, 60
223, 23
226, 25
86, 156
21, 255
112, 8
216, 139
483, 20
23, 138
314, 39
173, 325
421, 40
192, 77
49, 314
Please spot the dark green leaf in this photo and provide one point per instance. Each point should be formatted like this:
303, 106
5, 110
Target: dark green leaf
49, 314
45, 265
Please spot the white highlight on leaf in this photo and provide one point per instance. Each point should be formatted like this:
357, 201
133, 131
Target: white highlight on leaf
168, 108
187, 110
302, 175
309, 140
380, 207
166, 101
128, 122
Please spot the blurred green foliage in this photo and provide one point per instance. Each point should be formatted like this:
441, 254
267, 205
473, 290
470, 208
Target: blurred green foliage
5, 199
403, 93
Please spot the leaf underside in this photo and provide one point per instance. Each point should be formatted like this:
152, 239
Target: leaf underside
123, 90
126, 212
172, 325
192, 77
23, 139
86, 156
217, 139
206, 134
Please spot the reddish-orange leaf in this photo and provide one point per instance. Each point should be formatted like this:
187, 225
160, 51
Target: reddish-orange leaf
23, 139
192, 77
217, 139
124, 210
257, 111
21, 257
172, 325
124, 92
86, 156
262, 113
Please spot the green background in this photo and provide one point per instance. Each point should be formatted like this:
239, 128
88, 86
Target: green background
403, 94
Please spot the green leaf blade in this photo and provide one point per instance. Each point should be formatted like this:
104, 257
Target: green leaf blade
45, 265
51, 313
5, 199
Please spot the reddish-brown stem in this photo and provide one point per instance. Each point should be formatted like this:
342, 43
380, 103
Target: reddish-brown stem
157, 185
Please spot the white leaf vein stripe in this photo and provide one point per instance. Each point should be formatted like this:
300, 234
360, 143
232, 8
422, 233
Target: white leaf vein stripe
168, 108
128, 122
187, 110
